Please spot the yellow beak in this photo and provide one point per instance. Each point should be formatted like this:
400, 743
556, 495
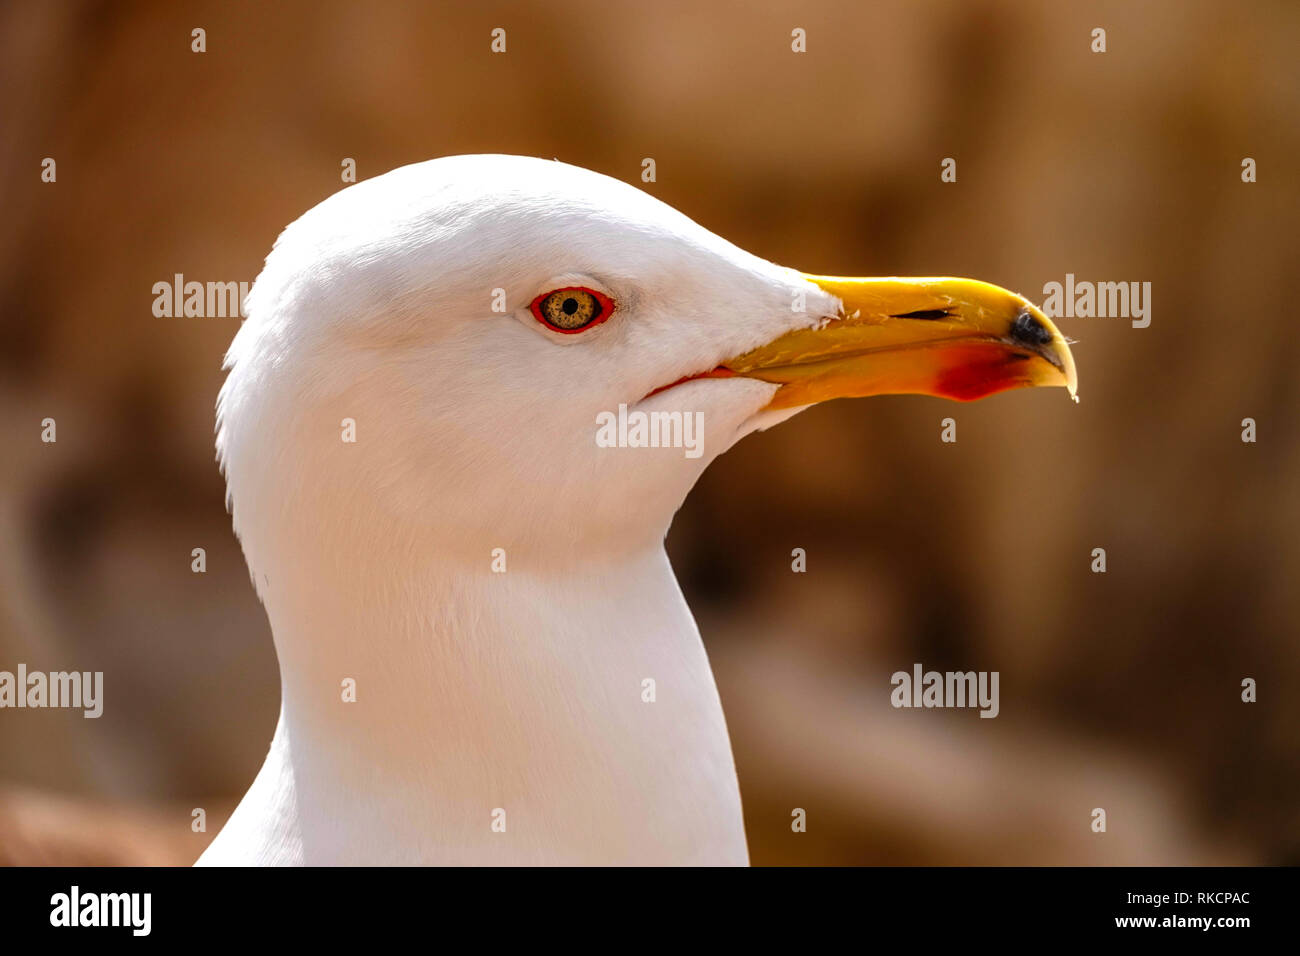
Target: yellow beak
953, 338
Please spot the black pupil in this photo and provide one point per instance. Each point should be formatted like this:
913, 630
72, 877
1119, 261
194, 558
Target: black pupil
570, 306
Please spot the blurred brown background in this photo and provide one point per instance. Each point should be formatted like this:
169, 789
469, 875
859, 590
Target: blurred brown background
1119, 690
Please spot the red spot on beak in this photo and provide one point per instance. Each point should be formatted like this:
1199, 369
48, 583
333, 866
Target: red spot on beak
981, 374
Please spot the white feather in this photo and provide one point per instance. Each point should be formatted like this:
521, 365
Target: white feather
479, 691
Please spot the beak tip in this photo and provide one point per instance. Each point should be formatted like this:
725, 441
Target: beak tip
959, 339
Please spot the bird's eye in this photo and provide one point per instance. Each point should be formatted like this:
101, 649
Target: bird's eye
572, 310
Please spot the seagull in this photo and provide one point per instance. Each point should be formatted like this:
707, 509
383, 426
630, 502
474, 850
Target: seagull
484, 655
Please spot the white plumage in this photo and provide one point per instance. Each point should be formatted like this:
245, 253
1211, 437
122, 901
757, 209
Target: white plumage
477, 691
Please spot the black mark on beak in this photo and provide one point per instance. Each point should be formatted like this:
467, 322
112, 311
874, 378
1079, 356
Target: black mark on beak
924, 314
1029, 330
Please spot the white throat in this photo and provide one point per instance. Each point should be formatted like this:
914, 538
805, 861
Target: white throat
500, 718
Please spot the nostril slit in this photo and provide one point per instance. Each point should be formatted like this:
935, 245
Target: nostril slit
924, 314
1028, 329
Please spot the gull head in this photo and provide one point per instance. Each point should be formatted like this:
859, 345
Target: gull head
483, 351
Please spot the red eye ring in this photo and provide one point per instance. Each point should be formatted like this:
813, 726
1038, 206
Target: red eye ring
604, 308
